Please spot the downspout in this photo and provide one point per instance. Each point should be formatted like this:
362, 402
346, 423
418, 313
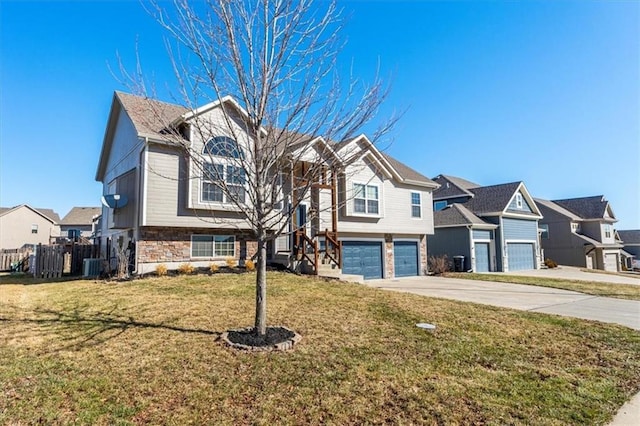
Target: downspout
142, 194
472, 249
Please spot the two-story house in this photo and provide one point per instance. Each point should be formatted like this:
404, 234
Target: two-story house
579, 232
631, 253
494, 227
25, 225
369, 215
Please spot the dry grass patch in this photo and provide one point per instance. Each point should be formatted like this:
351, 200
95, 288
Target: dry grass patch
145, 351
618, 291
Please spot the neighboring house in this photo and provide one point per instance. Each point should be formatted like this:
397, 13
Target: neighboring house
79, 222
379, 209
24, 224
579, 232
631, 248
494, 227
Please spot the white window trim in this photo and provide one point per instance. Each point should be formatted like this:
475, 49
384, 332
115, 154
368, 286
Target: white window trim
419, 205
519, 201
215, 255
225, 201
366, 205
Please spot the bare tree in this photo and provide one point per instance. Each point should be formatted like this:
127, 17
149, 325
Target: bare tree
278, 61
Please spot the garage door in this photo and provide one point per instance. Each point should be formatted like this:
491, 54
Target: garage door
362, 258
482, 257
521, 256
405, 259
611, 262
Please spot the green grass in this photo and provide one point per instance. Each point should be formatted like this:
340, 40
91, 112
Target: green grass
618, 291
146, 352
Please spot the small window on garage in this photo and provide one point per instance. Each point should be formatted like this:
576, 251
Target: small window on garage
416, 205
34, 228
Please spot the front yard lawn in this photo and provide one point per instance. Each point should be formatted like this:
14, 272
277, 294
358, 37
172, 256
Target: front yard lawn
618, 291
145, 352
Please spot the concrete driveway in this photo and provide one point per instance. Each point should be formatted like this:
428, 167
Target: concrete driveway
536, 299
522, 297
572, 273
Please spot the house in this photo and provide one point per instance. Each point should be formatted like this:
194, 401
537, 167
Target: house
79, 222
579, 232
631, 248
494, 227
368, 215
23, 224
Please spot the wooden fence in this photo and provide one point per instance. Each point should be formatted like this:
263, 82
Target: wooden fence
49, 262
14, 260
55, 260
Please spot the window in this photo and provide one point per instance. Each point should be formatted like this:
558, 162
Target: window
34, 229
215, 177
416, 205
575, 227
607, 231
212, 246
439, 205
544, 231
365, 199
223, 146
518, 201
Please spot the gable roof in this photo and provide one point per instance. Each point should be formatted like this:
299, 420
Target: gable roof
81, 216
492, 199
457, 215
149, 116
630, 236
48, 214
452, 187
587, 207
406, 172
557, 208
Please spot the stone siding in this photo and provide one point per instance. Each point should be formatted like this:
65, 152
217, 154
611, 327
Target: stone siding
389, 267
167, 245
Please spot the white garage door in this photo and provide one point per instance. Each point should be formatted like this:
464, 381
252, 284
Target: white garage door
611, 262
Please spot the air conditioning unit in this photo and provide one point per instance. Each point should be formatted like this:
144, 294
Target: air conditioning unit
91, 267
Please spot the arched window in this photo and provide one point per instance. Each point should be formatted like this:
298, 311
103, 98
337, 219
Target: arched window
223, 146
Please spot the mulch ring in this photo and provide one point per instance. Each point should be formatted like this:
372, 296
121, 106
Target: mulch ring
277, 338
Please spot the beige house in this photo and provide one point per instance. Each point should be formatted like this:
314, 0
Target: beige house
369, 216
23, 224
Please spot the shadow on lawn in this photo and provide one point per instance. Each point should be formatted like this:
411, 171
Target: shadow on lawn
79, 329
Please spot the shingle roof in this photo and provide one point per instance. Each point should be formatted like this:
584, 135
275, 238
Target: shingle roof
630, 236
405, 171
585, 207
553, 206
452, 187
491, 199
48, 213
81, 216
149, 115
456, 214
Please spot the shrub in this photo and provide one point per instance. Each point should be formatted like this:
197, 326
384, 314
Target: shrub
550, 263
231, 262
186, 269
438, 265
161, 270
249, 265
213, 268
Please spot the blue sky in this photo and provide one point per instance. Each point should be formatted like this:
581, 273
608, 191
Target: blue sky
547, 92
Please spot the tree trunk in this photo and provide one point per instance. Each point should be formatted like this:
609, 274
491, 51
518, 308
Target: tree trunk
261, 289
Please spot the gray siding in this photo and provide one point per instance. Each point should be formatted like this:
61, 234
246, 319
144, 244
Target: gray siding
481, 234
451, 242
518, 229
513, 206
125, 217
